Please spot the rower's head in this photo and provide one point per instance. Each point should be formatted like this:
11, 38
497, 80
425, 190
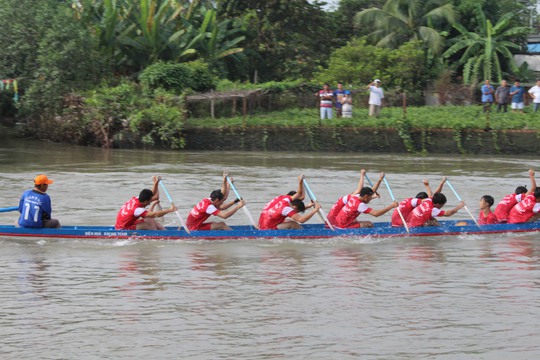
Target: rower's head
217, 197
486, 201
145, 197
422, 195
42, 182
438, 200
298, 205
537, 194
291, 193
521, 190
366, 194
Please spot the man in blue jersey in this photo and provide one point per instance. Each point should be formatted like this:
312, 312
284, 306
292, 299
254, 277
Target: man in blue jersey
35, 206
516, 92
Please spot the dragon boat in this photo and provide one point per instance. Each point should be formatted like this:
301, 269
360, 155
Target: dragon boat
310, 231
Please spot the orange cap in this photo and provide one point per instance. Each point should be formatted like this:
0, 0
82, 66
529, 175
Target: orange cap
42, 179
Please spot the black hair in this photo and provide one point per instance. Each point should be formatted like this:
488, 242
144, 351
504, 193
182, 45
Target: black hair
145, 195
422, 195
291, 193
300, 207
521, 190
366, 191
489, 199
216, 195
537, 192
439, 198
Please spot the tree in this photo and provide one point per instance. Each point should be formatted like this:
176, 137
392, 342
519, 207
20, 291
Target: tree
486, 49
284, 38
400, 21
358, 63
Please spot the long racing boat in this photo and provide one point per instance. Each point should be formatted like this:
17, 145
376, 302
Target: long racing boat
310, 231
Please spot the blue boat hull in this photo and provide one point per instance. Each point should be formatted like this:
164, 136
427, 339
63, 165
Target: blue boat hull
313, 231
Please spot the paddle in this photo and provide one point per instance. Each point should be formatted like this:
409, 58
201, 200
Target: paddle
7, 209
314, 199
398, 210
246, 211
170, 200
459, 199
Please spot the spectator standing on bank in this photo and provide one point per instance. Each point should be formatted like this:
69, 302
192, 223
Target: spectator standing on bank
326, 98
347, 106
487, 95
376, 94
339, 95
516, 92
502, 95
535, 94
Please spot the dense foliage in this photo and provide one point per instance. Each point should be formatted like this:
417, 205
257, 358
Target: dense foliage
89, 71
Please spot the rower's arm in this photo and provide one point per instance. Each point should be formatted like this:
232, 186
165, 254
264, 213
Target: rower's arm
428, 189
360, 182
454, 210
378, 183
303, 218
155, 188
300, 193
224, 214
380, 212
533, 182
160, 213
439, 188
225, 185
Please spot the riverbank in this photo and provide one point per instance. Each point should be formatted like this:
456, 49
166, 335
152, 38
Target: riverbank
357, 139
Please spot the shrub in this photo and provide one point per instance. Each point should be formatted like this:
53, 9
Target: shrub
172, 77
160, 124
203, 79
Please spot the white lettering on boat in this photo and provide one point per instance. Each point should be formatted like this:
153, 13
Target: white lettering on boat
105, 233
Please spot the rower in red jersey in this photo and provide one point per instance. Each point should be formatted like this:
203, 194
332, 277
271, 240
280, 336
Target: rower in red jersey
342, 201
527, 210
357, 205
134, 216
407, 206
276, 217
214, 205
487, 217
509, 201
290, 196
424, 215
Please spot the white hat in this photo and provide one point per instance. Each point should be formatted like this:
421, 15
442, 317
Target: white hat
377, 80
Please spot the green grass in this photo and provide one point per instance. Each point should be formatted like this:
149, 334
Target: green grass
426, 117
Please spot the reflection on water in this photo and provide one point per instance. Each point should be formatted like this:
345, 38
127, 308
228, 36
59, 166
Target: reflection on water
452, 297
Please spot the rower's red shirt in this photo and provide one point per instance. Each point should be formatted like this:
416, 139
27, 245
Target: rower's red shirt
524, 210
273, 203
505, 205
200, 213
423, 213
130, 215
405, 206
334, 211
347, 216
491, 218
276, 215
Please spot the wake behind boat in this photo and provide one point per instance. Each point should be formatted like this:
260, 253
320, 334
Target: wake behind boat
310, 231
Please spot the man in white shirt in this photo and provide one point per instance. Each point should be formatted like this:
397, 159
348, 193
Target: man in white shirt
376, 95
535, 94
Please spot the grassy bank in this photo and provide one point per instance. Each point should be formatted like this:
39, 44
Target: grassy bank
424, 118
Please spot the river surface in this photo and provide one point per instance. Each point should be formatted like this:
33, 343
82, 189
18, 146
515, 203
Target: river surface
458, 297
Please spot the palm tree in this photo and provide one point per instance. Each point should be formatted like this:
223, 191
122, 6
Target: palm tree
486, 48
400, 21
